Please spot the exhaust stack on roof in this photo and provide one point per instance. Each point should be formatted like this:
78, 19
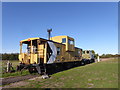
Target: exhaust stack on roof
49, 32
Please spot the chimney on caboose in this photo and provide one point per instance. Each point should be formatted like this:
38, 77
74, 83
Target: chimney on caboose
49, 32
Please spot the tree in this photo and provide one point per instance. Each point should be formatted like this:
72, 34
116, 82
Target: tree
11, 56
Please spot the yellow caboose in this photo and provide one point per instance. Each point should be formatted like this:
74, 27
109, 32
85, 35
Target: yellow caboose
59, 51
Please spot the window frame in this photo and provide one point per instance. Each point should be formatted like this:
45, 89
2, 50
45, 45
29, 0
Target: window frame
63, 40
69, 41
58, 50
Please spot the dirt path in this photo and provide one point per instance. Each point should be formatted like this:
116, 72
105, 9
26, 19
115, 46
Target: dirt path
105, 59
16, 84
16, 79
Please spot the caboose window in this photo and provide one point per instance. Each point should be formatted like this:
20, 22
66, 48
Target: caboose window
71, 42
28, 49
58, 50
63, 40
24, 50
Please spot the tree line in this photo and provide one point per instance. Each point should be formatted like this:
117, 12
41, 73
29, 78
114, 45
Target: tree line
9, 56
105, 55
14, 56
109, 55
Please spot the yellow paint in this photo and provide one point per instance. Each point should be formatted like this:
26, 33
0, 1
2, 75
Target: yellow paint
29, 39
86, 55
68, 52
45, 53
68, 46
68, 55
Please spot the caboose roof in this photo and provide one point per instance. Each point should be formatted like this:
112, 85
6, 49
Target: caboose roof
29, 39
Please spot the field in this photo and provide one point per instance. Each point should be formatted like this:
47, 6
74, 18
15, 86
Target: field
14, 64
103, 74
4, 63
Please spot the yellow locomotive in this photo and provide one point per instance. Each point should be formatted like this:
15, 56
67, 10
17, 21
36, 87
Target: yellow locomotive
88, 55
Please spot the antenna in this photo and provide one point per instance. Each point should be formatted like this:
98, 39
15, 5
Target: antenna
49, 31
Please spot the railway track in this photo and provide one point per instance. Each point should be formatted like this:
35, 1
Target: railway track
9, 80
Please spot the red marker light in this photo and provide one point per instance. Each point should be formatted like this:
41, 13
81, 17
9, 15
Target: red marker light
28, 39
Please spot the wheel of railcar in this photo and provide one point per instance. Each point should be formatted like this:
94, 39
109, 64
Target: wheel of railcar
65, 66
83, 62
49, 68
21, 67
32, 70
88, 61
18, 68
93, 60
58, 67
68, 65
53, 68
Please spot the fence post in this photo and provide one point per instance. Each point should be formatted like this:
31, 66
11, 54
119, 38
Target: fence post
8, 66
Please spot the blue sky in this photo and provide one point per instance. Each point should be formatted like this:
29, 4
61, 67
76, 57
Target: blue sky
93, 25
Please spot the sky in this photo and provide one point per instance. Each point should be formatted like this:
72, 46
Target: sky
93, 25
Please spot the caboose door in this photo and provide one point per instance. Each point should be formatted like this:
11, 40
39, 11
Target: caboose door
41, 53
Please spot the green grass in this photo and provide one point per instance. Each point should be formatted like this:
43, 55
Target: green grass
97, 75
14, 64
3, 63
25, 72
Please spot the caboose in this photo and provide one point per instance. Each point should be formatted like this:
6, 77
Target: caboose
43, 56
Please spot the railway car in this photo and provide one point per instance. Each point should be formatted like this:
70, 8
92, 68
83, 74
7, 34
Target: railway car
88, 56
43, 56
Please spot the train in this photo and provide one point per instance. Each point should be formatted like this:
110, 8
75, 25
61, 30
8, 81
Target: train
88, 55
53, 54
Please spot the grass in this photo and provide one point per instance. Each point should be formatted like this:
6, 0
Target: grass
97, 75
3, 63
25, 72
14, 64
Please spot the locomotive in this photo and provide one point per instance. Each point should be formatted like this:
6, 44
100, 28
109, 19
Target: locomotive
47, 55
88, 56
